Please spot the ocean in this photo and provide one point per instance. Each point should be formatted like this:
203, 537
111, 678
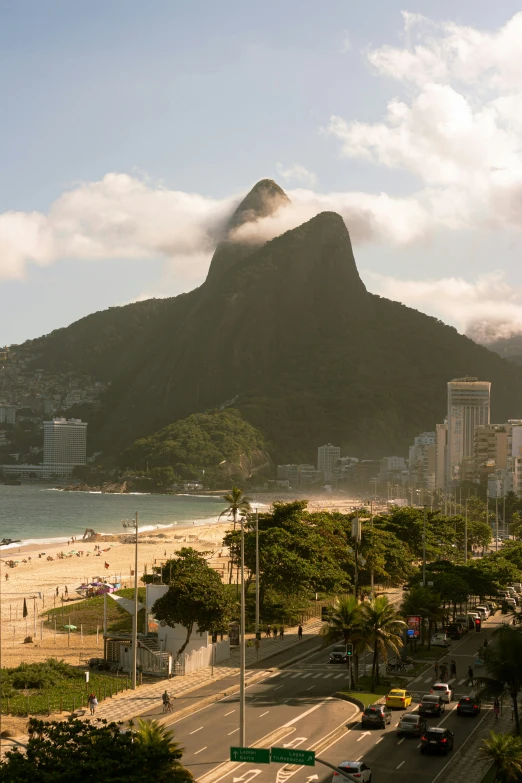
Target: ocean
36, 514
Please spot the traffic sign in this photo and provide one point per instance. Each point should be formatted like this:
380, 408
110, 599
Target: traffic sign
293, 756
255, 755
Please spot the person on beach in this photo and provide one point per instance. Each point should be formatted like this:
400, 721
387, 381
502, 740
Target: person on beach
66, 590
7, 577
93, 702
57, 591
300, 633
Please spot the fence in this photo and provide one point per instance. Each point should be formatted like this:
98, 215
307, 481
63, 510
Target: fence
62, 698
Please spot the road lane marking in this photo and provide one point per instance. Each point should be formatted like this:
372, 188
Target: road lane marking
296, 675
457, 754
286, 674
196, 730
202, 749
310, 688
304, 714
428, 680
418, 746
325, 676
279, 686
400, 765
229, 713
317, 675
400, 741
233, 732
264, 713
307, 674
338, 675
379, 740
461, 681
452, 680
417, 679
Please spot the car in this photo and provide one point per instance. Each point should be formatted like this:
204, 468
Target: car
455, 631
411, 724
444, 690
357, 769
339, 654
511, 602
399, 698
465, 621
437, 739
468, 705
432, 704
376, 715
440, 640
484, 610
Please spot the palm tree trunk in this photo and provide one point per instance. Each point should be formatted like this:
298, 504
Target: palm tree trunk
515, 713
375, 669
187, 639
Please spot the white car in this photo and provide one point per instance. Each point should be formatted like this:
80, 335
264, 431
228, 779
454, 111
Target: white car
358, 769
440, 640
483, 611
444, 690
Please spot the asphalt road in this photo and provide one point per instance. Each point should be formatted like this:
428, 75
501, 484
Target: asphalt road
296, 706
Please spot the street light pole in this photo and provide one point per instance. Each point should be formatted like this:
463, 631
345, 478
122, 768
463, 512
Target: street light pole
372, 575
496, 518
466, 534
424, 551
258, 635
135, 616
242, 661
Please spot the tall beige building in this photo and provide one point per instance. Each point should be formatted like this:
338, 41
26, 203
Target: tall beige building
468, 408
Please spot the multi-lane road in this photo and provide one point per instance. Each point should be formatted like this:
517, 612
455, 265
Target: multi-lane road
296, 707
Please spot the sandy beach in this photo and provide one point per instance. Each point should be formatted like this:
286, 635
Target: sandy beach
37, 578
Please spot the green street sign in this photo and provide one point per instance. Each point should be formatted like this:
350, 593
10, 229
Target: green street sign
255, 755
293, 756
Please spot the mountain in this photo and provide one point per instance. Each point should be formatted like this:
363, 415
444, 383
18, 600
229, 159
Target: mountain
509, 348
285, 332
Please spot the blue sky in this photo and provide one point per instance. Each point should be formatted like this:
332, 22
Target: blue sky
188, 104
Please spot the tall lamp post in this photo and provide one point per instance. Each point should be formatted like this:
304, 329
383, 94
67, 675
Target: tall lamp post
242, 660
424, 550
466, 533
134, 665
258, 633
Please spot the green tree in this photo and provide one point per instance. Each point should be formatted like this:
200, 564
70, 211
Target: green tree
196, 596
163, 477
159, 741
505, 751
382, 629
238, 504
66, 751
503, 664
427, 604
345, 622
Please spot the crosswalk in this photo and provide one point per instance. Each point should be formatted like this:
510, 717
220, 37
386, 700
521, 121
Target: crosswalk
303, 675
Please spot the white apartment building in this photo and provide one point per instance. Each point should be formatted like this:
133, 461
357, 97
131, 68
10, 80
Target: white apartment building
327, 457
441, 437
65, 445
7, 414
468, 407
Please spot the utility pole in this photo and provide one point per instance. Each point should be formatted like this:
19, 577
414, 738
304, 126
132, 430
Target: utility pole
466, 533
135, 616
258, 634
372, 575
496, 518
424, 551
242, 739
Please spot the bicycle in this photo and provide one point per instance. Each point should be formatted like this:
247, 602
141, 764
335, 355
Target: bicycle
167, 706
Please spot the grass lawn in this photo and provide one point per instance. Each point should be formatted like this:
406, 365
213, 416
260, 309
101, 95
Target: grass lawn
89, 614
433, 654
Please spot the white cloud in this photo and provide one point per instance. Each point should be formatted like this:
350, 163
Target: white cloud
486, 308
296, 173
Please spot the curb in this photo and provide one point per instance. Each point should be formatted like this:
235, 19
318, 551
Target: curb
351, 699
175, 716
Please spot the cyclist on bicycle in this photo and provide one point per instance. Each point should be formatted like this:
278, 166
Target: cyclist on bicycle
166, 701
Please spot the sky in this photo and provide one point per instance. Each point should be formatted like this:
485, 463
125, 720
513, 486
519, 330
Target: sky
130, 130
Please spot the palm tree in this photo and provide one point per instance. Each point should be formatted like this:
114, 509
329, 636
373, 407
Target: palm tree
503, 664
505, 751
163, 752
382, 628
344, 623
237, 504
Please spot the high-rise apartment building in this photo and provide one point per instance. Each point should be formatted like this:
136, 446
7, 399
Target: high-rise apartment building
327, 457
7, 414
468, 407
65, 445
441, 437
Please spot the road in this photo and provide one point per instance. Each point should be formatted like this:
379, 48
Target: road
295, 707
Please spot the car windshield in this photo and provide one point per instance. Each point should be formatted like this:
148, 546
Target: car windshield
434, 733
410, 719
349, 767
396, 693
440, 687
372, 710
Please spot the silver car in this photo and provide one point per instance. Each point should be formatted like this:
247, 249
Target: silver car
411, 724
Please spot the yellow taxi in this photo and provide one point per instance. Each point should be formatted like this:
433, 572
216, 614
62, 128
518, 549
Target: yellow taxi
399, 698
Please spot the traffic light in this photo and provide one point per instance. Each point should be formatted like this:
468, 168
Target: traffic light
349, 649
478, 624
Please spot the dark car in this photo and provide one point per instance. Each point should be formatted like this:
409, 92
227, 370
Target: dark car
437, 740
376, 715
468, 706
431, 704
411, 724
339, 654
455, 631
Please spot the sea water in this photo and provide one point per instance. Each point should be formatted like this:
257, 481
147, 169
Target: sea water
33, 513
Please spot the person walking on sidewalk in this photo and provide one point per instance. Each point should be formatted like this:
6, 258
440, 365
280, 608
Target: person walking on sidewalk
93, 702
436, 669
281, 633
453, 669
496, 708
274, 631
470, 679
300, 633
267, 632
